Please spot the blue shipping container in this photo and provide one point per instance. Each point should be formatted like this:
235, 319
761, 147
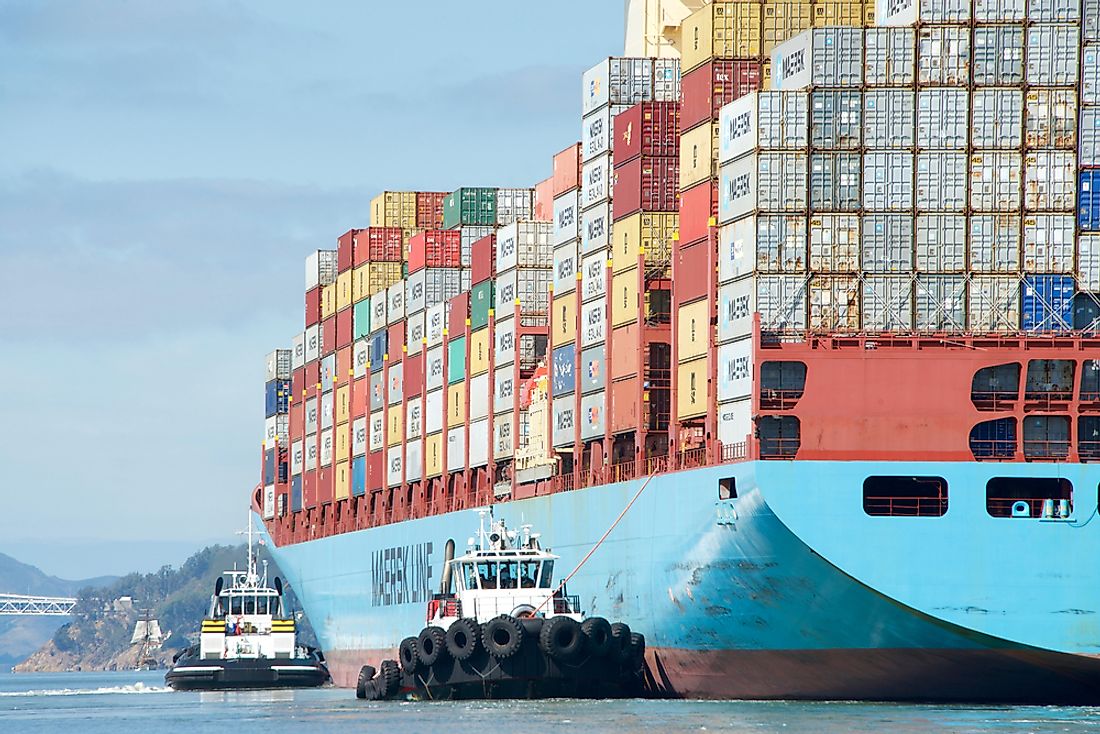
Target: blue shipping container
277, 397
377, 350
359, 476
1088, 209
269, 466
296, 494
564, 376
1047, 303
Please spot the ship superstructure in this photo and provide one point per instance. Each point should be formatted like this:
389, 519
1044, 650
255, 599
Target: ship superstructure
828, 283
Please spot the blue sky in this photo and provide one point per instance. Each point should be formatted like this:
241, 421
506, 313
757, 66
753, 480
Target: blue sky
164, 169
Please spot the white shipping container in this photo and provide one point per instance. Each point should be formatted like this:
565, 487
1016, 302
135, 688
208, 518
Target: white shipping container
435, 323
1088, 262
565, 268
479, 443
313, 342
505, 337
298, 457
1089, 154
619, 81
940, 303
1050, 181
327, 402
378, 310
415, 297
593, 416
269, 502
994, 303
395, 303
313, 415
834, 303
887, 180
772, 243
514, 205
908, 12
763, 121
531, 286
567, 217
377, 390
598, 131
735, 370
764, 182
1052, 55
502, 437
941, 181
325, 448
328, 372
596, 181
504, 392
395, 383
995, 179
1090, 17
277, 364
414, 418
320, 269
834, 243
596, 227
1090, 74
998, 10
943, 118
666, 80
563, 425
479, 396
524, 245
414, 460
889, 117
780, 300
890, 57
1051, 118
888, 303
359, 436
999, 55
298, 351
594, 275
819, 57
414, 333
943, 55
735, 424
311, 451
887, 243
941, 243
834, 182
456, 449
1049, 244
433, 368
998, 118
276, 430
593, 325
394, 463
377, 430
994, 243
433, 412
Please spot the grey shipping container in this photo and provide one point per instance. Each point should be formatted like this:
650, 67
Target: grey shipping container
887, 243
530, 285
593, 370
939, 303
999, 55
994, 303
995, 243
941, 243
890, 57
834, 243
995, 179
887, 303
1054, 11
943, 118
377, 391
997, 118
470, 234
513, 205
836, 119
987, 11
1090, 136
887, 180
941, 181
781, 243
943, 55
783, 121
834, 303
1050, 181
820, 57
1090, 17
834, 182
1090, 74
1049, 243
1051, 118
1052, 55
889, 118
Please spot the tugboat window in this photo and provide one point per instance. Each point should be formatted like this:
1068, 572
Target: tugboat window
508, 575
547, 574
487, 573
471, 577
235, 605
528, 574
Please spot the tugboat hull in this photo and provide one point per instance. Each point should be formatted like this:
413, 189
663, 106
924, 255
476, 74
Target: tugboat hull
221, 675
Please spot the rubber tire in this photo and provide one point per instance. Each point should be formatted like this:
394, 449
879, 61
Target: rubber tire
409, 654
365, 674
561, 638
432, 645
507, 627
467, 629
598, 632
620, 641
637, 651
389, 679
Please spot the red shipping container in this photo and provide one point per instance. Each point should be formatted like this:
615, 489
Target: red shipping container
483, 258
624, 352
429, 209
328, 335
692, 272
567, 169
705, 90
457, 314
297, 419
343, 328
414, 376
646, 184
395, 341
326, 484
624, 405
360, 397
544, 200
298, 383
697, 205
313, 374
648, 129
378, 244
376, 470
313, 306
435, 248
343, 365
309, 489
345, 248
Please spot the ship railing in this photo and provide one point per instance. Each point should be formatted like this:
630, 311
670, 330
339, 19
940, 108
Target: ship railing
905, 506
567, 604
691, 458
1046, 449
779, 447
735, 452
656, 465
1003, 506
1088, 450
1090, 396
779, 399
624, 471
562, 482
994, 399
993, 448
1047, 398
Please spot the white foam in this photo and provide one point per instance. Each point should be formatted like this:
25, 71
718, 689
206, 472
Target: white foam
135, 688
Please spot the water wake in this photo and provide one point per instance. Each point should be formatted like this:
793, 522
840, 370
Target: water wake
135, 688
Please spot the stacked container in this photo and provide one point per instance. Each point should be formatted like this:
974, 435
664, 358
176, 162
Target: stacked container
1086, 307
276, 455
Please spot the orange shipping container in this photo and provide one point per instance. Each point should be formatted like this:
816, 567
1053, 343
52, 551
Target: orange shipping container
567, 169
624, 352
624, 405
544, 200
343, 481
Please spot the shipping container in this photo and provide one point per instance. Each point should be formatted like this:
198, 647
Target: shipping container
887, 180
1089, 153
592, 327
543, 207
523, 244
617, 81
377, 388
593, 368
468, 235
943, 55
994, 303
513, 205
997, 119
734, 371
834, 302
1088, 207
596, 227
887, 303
456, 360
694, 332
505, 338
1049, 243
999, 55
995, 243
698, 155
821, 57
889, 117
565, 268
648, 129
890, 57
414, 461
435, 248
597, 181
321, 268
995, 181
502, 437
1090, 74
374, 277
470, 206
395, 303
941, 181
1052, 55
567, 169
763, 182
1088, 263
482, 303
693, 271
706, 89
783, 20
1046, 303
434, 412
644, 233
698, 205
594, 275
598, 131
479, 443
721, 30
691, 388
887, 243
834, 243
566, 218
415, 334
1051, 118
834, 182
943, 118
504, 390
836, 119
479, 396
414, 419
527, 288
433, 455
394, 209
625, 303
563, 421
766, 243
940, 303
483, 256
432, 286
593, 415
648, 185
1050, 181
377, 244
563, 378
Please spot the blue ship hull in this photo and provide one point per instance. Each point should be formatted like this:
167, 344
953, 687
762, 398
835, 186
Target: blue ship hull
789, 590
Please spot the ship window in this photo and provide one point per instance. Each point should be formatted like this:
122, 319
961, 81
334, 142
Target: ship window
996, 387
1049, 380
905, 496
1088, 437
1046, 436
509, 575
727, 488
1026, 497
250, 605
528, 574
235, 605
779, 436
781, 384
471, 576
547, 574
994, 439
1090, 381
487, 575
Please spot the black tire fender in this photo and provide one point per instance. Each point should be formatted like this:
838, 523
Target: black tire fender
408, 653
503, 636
389, 679
365, 674
463, 638
432, 645
620, 641
561, 638
598, 632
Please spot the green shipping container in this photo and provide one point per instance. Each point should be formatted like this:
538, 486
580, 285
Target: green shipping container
360, 319
470, 206
482, 300
456, 360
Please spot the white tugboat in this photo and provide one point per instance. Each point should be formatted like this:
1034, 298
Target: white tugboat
248, 639
507, 630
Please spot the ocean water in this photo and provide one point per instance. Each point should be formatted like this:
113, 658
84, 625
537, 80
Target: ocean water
108, 703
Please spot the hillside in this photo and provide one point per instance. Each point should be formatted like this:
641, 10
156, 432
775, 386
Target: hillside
98, 637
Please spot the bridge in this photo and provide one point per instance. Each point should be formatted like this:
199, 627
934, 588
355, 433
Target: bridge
39, 606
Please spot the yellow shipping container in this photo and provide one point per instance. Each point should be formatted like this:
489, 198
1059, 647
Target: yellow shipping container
328, 300
381, 275
721, 30
479, 352
698, 155
785, 19
693, 330
343, 403
343, 481
433, 455
360, 277
564, 319
344, 287
624, 297
393, 209
456, 404
648, 232
840, 12
341, 442
395, 424
691, 388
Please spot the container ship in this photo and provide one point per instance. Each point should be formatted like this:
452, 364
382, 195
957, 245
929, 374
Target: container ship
807, 318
